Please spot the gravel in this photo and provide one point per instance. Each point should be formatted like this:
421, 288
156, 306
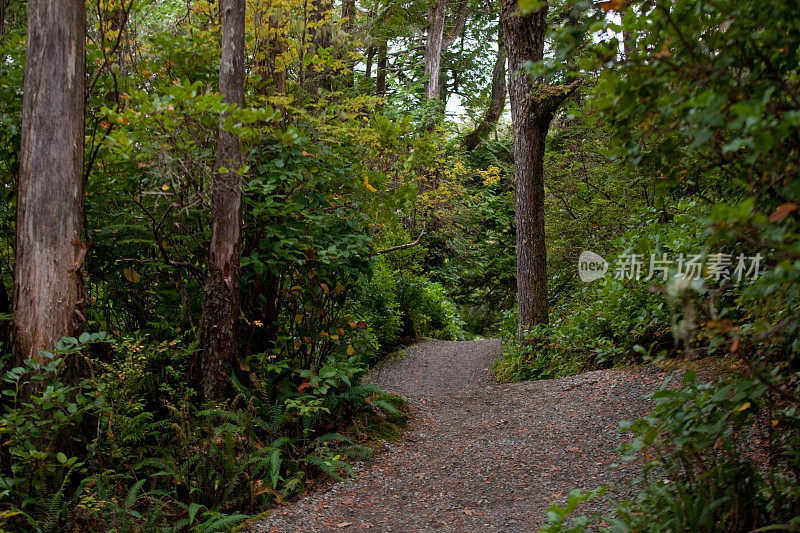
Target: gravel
481, 455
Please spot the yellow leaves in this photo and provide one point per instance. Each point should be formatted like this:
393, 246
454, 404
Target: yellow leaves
350, 350
490, 176
165, 188
339, 289
131, 275
783, 211
258, 323
743, 407
334, 337
298, 318
368, 186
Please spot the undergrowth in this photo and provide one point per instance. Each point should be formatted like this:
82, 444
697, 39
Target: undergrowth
126, 449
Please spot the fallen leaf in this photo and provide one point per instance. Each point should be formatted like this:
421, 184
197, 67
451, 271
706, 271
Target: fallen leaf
735, 345
783, 212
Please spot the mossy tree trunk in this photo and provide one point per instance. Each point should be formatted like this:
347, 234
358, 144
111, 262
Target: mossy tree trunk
532, 108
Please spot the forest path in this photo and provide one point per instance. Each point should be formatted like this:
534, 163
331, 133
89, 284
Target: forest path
481, 455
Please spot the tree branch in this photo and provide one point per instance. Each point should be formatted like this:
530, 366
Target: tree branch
402, 246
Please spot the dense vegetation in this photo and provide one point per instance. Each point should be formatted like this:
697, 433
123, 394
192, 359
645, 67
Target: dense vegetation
378, 208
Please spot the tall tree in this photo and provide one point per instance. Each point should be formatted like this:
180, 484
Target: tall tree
320, 31
437, 42
221, 308
531, 114
380, 78
2, 17
498, 98
48, 282
270, 23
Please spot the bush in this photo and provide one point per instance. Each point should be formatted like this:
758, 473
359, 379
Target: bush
400, 306
125, 450
608, 321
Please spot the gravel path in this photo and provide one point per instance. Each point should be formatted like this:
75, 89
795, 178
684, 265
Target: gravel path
480, 455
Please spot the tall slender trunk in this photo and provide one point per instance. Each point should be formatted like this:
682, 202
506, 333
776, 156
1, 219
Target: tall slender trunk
221, 308
433, 49
349, 15
531, 116
48, 282
380, 79
2, 18
321, 33
349, 26
498, 98
368, 69
270, 47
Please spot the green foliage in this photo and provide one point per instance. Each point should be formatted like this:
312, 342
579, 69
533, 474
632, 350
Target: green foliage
706, 96
125, 448
609, 321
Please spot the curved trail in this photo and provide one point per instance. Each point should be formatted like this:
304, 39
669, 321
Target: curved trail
481, 455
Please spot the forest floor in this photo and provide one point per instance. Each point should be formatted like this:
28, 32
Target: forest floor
481, 455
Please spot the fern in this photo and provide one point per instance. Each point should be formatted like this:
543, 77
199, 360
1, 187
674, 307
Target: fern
220, 522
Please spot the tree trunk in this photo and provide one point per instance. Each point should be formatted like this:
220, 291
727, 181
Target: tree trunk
321, 34
531, 116
349, 26
380, 79
221, 308
2, 18
368, 68
433, 49
349, 15
270, 47
48, 282
498, 102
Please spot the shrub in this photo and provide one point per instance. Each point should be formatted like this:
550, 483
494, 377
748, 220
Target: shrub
122, 449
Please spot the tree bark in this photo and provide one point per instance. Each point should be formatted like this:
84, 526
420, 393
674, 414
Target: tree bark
437, 42
48, 282
380, 78
2, 18
498, 97
349, 26
370, 57
221, 308
270, 47
531, 115
433, 49
321, 33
